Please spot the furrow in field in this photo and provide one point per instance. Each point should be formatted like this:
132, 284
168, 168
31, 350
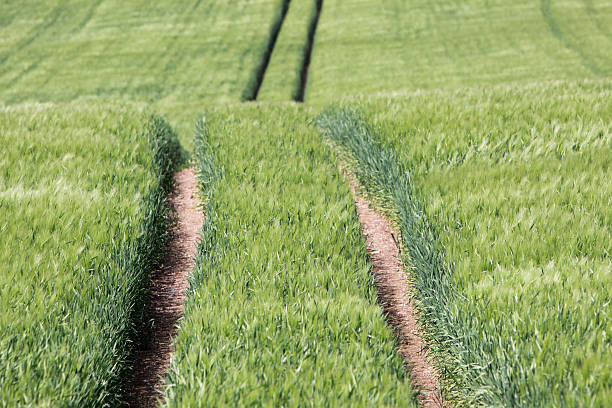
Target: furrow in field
37, 30
384, 245
169, 284
282, 80
557, 30
597, 14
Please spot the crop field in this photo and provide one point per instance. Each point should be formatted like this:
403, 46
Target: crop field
169, 56
521, 204
282, 310
81, 218
482, 130
368, 46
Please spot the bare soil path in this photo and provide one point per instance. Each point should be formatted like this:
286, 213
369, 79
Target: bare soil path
169, 285
393, 294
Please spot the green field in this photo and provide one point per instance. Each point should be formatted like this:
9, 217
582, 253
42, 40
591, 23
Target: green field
177, 56
282, 310
367, 46
482, 128
82, 224
519, 206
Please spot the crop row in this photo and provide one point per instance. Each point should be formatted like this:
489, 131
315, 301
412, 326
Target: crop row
82, 216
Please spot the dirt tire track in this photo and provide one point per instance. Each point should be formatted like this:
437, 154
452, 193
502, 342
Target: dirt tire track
169, 285
392, 284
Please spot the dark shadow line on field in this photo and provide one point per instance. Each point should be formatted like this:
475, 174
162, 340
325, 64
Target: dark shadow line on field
25, 72
252, 89
53, 72
300, 92
88, 16
547, 14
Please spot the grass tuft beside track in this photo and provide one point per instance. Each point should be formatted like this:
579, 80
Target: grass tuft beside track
82, 216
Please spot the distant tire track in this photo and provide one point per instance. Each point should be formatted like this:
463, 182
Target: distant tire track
88, 16
312, 32
590, 9
252, 89
49, 21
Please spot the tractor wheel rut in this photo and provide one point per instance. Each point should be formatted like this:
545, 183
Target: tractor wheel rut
169, 285
393, 294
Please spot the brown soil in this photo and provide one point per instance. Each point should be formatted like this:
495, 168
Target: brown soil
169, 285
392, 284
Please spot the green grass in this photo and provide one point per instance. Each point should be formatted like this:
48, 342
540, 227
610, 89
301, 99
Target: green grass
368, 46
514, 181
82, 219
505, 213
282, 309
283, 77
177, 56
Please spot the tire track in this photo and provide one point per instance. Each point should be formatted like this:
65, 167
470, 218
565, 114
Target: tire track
66, 60
594, 16
393, 287
548, 16
49, 21
312, 32
169, 285
252, 90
